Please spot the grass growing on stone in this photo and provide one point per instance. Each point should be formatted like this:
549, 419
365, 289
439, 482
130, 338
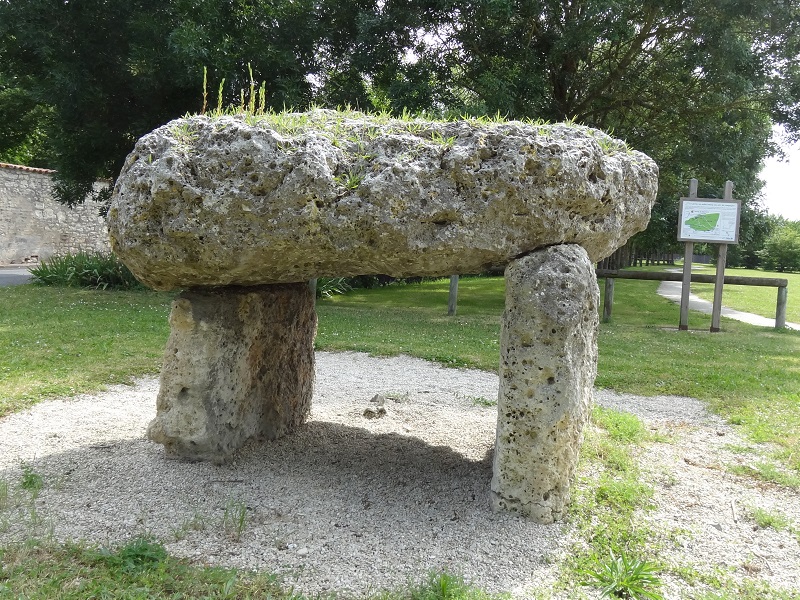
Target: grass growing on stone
64, 341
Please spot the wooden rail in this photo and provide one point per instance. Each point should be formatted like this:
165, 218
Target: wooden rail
610, 275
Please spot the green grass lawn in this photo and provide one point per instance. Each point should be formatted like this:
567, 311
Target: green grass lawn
57, 341
753, 299
748, 374
63, 341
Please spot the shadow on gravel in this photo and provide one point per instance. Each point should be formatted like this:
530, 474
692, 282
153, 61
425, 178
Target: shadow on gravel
320, 506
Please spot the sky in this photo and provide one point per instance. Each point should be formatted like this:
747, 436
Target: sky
782, 184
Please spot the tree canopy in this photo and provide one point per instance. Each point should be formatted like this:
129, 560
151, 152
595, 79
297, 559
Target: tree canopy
695, 84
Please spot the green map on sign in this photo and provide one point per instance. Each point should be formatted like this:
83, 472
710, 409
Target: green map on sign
705, 222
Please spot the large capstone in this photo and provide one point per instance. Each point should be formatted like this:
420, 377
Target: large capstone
548, 362
285, 198
239, 364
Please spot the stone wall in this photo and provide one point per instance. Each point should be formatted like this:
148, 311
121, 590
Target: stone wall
34, 226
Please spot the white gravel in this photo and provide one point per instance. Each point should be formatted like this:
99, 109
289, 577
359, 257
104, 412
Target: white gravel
351, 504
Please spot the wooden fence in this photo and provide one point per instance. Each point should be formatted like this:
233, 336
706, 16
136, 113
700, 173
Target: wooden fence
610, 275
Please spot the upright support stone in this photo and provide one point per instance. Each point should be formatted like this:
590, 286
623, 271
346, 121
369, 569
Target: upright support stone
548, 363
239, 363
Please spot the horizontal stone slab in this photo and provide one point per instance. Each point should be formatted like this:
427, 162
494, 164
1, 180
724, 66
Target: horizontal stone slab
238, 200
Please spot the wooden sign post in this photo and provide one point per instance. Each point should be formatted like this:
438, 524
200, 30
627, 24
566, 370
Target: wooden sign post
713, 221
688, 255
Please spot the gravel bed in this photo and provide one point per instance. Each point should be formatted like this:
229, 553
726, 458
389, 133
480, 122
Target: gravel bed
352, 504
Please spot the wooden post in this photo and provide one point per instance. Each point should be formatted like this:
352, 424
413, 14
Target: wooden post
608, 299
780, 309
312, 285
452, 299
716, 309
687, 270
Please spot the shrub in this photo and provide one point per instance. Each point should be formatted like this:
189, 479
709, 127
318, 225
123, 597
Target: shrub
782, 250
83, 269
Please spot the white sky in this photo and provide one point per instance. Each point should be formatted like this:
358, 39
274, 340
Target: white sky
782, 190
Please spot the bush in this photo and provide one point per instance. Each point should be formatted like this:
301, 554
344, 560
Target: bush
782, 250
83, 269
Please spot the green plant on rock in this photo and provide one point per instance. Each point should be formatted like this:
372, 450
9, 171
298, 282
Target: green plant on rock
624, 577
350, 180
447, 142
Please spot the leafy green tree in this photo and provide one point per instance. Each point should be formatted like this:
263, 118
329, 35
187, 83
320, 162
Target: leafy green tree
695, 84
756, 226
108, 71
782, 248
22, 137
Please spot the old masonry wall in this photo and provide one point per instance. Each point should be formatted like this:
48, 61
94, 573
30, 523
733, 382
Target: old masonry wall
33, 226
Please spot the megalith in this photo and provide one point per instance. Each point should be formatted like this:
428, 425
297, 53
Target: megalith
548, 363
241, 211
238, 365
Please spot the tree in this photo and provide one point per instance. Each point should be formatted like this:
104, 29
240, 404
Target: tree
694, 84
22, 137
108, 71
782, 248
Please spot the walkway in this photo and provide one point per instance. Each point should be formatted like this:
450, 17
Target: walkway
671, 290
14, 275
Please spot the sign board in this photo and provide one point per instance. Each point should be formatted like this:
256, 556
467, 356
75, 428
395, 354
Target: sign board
709, 220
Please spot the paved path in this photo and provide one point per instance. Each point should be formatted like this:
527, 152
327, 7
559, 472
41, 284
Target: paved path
672, 291
14, 275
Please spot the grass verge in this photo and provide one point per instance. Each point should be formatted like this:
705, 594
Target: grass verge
140, 569
57, 341
64, 341
606, 496
753, 299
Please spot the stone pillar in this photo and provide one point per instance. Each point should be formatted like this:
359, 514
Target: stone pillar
239, 363
548, 363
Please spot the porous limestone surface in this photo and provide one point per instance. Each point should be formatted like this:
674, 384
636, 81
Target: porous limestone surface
284, 198
548, 363
239, 364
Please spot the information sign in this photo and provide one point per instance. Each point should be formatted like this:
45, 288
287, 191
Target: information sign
709, 220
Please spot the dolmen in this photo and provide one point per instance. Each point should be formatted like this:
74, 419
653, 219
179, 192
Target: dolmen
241, 212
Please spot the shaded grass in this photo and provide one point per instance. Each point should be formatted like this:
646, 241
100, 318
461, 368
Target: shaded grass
412, 319
63, 341
143, 570
139, 570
